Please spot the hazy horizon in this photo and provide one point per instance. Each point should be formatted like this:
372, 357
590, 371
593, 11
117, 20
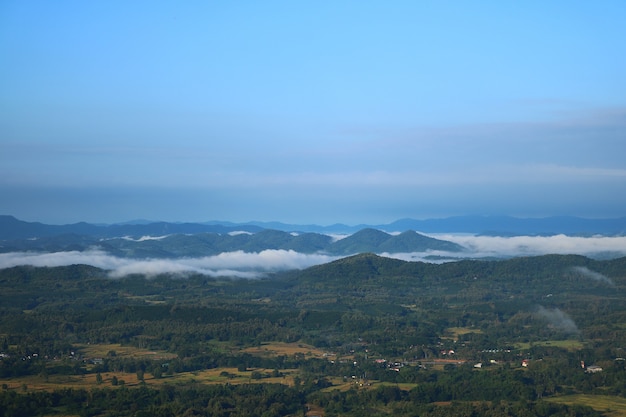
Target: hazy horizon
326, 112
268, 223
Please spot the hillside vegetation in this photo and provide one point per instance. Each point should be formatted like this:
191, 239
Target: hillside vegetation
213, 243
361, 333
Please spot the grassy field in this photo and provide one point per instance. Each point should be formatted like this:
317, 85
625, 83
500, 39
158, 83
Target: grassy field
210, 376
610, 406
314, 410
570, 345
287, 349
206, 377
88, 381
342, 384
227, 375
55, 382
270, 349
104, 350
454, 332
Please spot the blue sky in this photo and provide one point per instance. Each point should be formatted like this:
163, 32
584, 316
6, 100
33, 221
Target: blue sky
311, 112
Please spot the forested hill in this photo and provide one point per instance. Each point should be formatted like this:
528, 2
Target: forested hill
12, 228
207, 244
538, 267
361, 333
359, 282
504, 280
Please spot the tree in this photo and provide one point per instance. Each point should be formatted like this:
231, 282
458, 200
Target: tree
157, 371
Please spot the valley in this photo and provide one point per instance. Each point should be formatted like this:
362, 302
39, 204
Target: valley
400, 338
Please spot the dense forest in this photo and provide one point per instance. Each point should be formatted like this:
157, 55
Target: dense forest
364, 334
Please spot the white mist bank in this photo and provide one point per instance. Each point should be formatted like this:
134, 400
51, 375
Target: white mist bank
498, 246
253, 265
229, 264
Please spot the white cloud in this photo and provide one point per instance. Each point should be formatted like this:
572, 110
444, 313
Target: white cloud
497, 247
95, 258
239, 232
144, 238
537, 245
250, 265
231, 264
337, 236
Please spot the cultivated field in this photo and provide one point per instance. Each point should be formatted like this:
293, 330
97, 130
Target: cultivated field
104, 350
287, 349
454, 332
610, 406
209, 376
570, 345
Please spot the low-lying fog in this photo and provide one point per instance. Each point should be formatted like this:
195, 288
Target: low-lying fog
505, 247
252, 265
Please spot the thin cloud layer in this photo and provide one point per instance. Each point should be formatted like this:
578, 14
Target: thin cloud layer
252, 265
97, 258
595, 276
538, 245
144, 238
229, 264
557, 319
498, 247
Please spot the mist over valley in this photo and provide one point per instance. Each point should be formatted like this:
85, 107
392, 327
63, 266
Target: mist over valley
250, 251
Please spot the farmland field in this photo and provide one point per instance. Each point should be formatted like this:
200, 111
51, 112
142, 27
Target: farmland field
398, 338
609, 405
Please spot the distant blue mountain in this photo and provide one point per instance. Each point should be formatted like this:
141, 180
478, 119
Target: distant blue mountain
185, 240
485, 225
505, 225
11, 228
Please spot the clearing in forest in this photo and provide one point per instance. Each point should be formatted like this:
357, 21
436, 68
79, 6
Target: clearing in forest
610, 406
273, 349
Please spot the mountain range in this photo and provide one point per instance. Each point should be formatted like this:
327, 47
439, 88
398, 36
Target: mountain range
483, 225
13, 228
144, 240
211, 243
